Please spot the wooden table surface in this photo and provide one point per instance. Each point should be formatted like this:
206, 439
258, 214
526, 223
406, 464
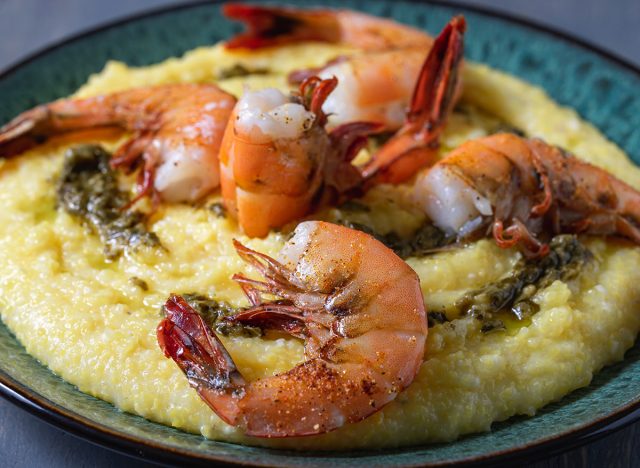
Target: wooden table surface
27, 25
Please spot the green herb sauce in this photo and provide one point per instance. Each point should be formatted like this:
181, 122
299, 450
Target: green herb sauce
213, 312
513, 294
238, 71
218, 209
88, 189
425, 240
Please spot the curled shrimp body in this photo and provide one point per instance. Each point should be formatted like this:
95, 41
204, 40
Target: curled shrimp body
177, 130
375, 84
359, 309
523, 191
278, 161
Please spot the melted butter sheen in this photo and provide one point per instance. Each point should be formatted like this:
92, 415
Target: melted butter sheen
61, 297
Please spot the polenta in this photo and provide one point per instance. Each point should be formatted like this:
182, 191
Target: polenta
89, 320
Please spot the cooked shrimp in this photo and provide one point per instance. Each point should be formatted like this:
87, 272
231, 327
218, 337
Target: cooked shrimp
272, 26
415, 145
177, 130
265, 125
275, 156
359, 309
524, 191
278, 162
375, 85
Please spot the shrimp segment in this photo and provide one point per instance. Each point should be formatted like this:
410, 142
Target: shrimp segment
359, 309
177, 130
273, 174
273, 157
523, 191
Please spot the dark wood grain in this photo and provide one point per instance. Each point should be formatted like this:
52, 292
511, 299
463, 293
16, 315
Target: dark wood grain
25, 441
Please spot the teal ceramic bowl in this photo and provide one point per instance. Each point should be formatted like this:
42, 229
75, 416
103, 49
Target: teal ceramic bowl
603, 89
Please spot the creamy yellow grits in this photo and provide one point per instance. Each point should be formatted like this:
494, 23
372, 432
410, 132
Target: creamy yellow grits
91, 324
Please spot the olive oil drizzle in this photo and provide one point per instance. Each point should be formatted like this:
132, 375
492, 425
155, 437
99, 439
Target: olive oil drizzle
513, 294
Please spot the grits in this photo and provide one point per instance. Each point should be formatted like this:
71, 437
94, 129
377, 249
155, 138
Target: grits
88, 321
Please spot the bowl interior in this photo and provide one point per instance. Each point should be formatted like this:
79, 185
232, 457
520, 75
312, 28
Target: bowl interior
601, 90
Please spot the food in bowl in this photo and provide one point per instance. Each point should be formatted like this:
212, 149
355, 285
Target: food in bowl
511, 327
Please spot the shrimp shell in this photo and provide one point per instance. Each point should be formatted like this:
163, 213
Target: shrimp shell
177, 131
523, 191
359, 309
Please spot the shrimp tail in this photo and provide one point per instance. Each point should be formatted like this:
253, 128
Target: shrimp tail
24, 132
415, 145
432, 99
184, 337
273, 26
36, 126
66, 116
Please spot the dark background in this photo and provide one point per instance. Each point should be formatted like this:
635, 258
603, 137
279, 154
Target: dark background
28, 25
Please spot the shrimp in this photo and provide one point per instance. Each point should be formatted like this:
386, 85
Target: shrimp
375, 85
274, 26
523, 191
359, 309
177, 131
276, 156
278, 161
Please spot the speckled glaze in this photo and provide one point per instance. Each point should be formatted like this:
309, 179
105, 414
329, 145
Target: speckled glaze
602, 90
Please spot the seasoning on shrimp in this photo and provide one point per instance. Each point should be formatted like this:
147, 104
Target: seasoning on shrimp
359, 309
523, 191
177, 130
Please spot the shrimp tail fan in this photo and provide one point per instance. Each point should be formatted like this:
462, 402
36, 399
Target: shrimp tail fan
24, 132
184, 337
433, 95
414, 145
46, 121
